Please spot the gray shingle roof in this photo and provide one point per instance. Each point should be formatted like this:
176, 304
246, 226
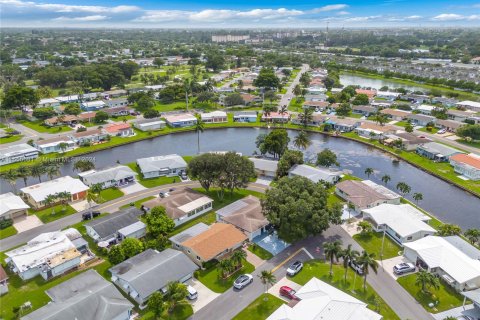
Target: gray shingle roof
114, 173
110, 224
189, 233
438, 148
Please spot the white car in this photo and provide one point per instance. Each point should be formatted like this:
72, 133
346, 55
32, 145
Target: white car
404, 267
243, 281
192, 293
294, 268
441, 131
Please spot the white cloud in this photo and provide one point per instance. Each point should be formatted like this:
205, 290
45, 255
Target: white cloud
82, 19
362, 19
63, 8
331, 7
448, 17
413, 17
343, 13
473, 17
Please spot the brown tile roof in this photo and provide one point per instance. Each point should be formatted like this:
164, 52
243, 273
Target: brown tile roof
321, 104
450, 123
369, 93
3, 274
87, 115
66, 118
467, 159
245, 214
411, 138
217, 239
372, 126
115, 127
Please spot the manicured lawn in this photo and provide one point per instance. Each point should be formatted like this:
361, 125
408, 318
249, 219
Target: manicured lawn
164, 107
40, 127
355, 115
10, 139
372, 243
447, 297
53, 213
110, 194
210, 277
260, 309
138, 203
8, 232
207, 218
152, 182
180, 312
260, 252
320, 270
424, 129
402, 123
475, 144
296, 104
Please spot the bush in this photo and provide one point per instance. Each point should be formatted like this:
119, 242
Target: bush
5, 223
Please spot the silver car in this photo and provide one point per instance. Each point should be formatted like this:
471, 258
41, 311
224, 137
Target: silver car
242, 281
404, 267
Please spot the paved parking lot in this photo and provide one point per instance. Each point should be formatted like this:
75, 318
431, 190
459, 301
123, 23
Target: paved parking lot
205, 295
274, 290
388, 265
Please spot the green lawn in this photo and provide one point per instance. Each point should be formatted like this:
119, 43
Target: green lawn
53, 213
402, 124
424, 129
39, 126
320, 270
261, 308
210, 277
138, 203
110, 194
296, 104
260, 252
180, 312
8, 232
11, 139
164, 107
372, 243
446, 296
475, 144
152, 182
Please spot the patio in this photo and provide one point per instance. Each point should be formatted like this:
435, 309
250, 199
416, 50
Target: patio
271, 243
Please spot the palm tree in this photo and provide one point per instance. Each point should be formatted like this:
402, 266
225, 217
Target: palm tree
176, 293
302, 140
367, 261
368, 172
306, 117
52, 170
83, 165
417, 196
283, 110
199, 127
38, 170
426, 280
268, 279
332, 252
24, 173
472, 235
64, 197
268, 109
49, 200
238, 257
63, 146
403, 188
224, 267
347, 255
11, 177
386, 178
187, 86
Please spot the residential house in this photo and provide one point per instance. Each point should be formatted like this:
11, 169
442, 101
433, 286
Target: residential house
364, 110
436, 151
425, 109
249, 99
150, 124
245, 116
116, 103
17, 153
343, 124
415, 98
3, 281
370, 93
12, 206
48, 102
220, 239
381, 104
421, 119
57, 144
116, 176
459, 115
119, 130
446, 102
474, 296
84, 297
315, 174
449, 125
276, 117
68, 99
408, 141
92, 105
395, 114
317, 119
67, 119
118, 111
188, 233
469, 105
88, 137
468, 165
453, 259
114, 94
181, 205
35, 195
87, 116
49, 254
151, 271
403, 223
181, 120
265, 167
214, 117
320, 105
90, 96
374, 131
170, 165
365, 194
389, 95
246, 215
117, 226
319, 300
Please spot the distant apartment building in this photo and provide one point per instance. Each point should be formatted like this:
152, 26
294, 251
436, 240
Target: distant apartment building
229, 38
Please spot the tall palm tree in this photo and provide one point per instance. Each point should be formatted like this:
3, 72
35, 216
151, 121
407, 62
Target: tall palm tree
24, 173
224, 267
426, 280
367, 261
283, 110
83, 165
348, 254
306, 117
403, 188
332, 252
11, 177
50, 200
64, 197
302, 140
386, 178
63, 146
38, 170
52, 170
268, 279
368, 172
238, 257
417, 196
187, 86
199, 127
176, 293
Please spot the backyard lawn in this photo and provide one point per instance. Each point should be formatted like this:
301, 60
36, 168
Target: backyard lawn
354, 287
372, 243
53, 213
261, 308
40, 127
447, 297
152, 182
210, 277
110, 194
260, 252
8, 232
10, 139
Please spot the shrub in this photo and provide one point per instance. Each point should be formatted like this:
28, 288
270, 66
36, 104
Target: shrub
5, 223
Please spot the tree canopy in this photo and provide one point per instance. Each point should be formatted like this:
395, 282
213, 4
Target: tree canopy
274, 143
288, 160
267, 79
158, 223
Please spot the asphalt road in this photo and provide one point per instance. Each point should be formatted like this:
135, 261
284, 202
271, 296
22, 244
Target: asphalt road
285, 100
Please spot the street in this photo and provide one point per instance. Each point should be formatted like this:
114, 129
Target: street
285, 100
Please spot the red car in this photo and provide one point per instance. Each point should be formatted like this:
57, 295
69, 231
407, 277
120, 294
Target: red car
288, 292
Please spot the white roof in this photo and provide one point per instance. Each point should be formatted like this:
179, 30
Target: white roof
10, 202
456, 257
403, 219
381, 189
314, 174
320, 300
16, 149
212, 114
47, 100
110, 174
97, 103
388, 93
159, 163
39, 191
128, 230
469, 103
180, 117
264, 164
195, 204
425, 107
67, 98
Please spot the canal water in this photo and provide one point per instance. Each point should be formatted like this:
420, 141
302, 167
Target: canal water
443, 200
348, 79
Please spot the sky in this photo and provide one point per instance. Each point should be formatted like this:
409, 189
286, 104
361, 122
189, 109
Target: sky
238, 14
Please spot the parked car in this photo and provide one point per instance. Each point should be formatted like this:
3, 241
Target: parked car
404, 267
88, 215
442, 131
183, 175
288, 292
294, 268
357, 267
163, 194
242, 281
192, 293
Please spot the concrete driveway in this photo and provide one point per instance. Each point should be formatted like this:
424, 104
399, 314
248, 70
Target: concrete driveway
81, 205
205, 295
388, 265
25, 223
275, 289
132, 188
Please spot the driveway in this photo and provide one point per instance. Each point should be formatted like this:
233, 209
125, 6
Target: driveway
205, 295
25, 223
132, 188
388, 265
81, 205
275, 289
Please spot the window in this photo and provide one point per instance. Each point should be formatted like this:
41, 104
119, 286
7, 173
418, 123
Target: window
189, 251
409, 238
198, 258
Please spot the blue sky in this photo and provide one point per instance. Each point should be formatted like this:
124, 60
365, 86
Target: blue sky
239, 14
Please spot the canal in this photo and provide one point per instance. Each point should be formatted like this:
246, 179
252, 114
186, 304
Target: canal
443, 200
348, 79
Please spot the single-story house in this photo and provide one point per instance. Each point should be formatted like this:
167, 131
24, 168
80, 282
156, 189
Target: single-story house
114, 93
319, 300
409, 141
88, 137
364, 110
370, 93
469, 105
117, 226
415, 98
181, 120
12, 206
219, 240
170, 165
245, 116
265, 167
389, 95
425, 109
395, 114
343, 124
365, 194
418, 119
119, 129
449, 125
321, 105
48, 254
150, 124
317, 119
48, 102
68, 99
436, 151
150, 271
276, 117
115, 176
468, 165
90, 96
54, 145
315, 174
453, 259
374, 131
115, 103
403, 222
67, 119
17, 153
474, 296
246, 215
459, 115
87, 116
36, 194
193, 231
84, 297
92, 105
182, 205
118, 111
214, 117
3, 281
248, 99
446, 102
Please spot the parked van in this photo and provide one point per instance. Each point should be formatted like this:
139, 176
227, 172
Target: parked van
192, 293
